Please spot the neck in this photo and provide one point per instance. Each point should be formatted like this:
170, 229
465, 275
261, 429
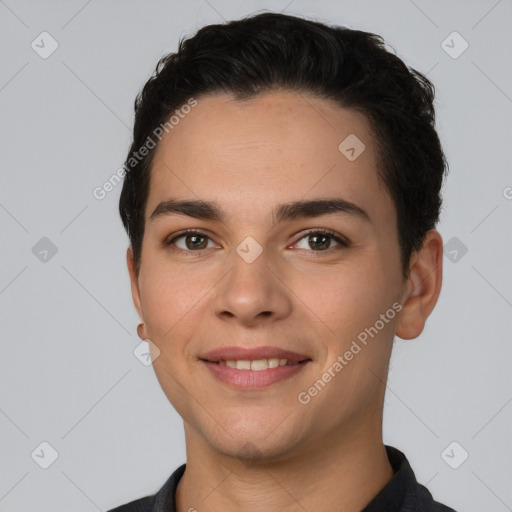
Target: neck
329, 475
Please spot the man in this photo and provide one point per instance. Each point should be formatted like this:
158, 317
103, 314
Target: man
281, 194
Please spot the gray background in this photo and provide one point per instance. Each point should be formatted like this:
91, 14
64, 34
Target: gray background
69, 376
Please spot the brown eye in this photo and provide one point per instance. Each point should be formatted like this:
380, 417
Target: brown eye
321, 241
194, 241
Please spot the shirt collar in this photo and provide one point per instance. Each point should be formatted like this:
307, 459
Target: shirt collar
391, 497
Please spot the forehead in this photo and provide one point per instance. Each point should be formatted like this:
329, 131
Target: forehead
278, 146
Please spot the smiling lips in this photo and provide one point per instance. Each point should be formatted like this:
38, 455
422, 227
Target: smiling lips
253, 354
253, 368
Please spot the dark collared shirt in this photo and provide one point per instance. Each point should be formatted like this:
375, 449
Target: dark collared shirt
401, 494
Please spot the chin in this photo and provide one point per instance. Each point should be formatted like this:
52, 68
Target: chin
251, 446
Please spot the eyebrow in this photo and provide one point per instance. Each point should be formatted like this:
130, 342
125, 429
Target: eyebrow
207, 210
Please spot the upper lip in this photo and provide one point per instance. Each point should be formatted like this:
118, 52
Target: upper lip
240, 354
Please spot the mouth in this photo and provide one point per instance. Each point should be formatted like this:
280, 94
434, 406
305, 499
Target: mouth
253, 368
254, 374
243, 358
256, 364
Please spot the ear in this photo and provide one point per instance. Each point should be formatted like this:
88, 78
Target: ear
134, 282
422, 288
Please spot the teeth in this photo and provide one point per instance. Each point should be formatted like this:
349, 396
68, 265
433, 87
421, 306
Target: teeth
257, 364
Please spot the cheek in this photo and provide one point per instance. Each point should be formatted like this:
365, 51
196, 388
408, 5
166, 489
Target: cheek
168, 298
350, 304
345, 299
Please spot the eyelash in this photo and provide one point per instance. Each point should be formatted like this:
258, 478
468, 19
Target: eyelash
343, 243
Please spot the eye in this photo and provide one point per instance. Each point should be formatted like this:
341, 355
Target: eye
320, 240
196, 241
193, 241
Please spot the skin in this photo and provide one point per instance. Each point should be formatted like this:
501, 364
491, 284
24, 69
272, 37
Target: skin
262, 449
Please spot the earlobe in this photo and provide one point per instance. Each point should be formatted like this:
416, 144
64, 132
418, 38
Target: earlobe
422, 289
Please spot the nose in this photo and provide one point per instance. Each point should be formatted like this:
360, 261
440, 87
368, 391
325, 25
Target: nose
252, 293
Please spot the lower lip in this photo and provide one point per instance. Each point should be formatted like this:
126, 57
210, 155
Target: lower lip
253, 379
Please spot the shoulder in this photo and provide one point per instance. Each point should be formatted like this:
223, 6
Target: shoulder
140, 505
424, 502
406, 490
163, 499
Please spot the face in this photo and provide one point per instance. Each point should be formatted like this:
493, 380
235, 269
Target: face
311, 283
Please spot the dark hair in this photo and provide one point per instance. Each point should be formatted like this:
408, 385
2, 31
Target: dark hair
270, 51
